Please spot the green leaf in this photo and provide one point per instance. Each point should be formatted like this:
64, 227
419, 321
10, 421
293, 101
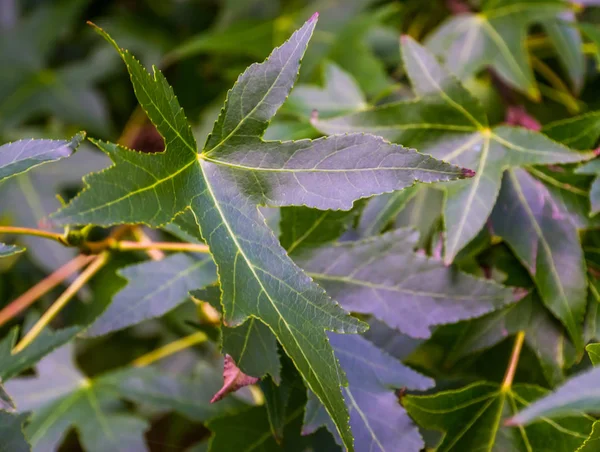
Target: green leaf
494, 38
567, 40
154, 288
577, 395
594, 353
9, 250
12, 365
448, 123
547, 244
472, 419
11, 433
411, 292
302, 227
378, 421
224, 183
65, 399
20, 156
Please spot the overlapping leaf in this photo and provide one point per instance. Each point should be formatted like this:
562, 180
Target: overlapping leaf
153, 289
448, 123
408, 291
224, 183
472, 419
11, 433
21, 156
577, 395
378, 421
547, 243
60, 397
495, 37
543, 334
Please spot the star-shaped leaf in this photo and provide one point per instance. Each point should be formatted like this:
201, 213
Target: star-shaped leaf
223, 184
447, 122
547, 244
60, 397
472, 419
154, 288
378, 421
494, 37
382, 276
20, 156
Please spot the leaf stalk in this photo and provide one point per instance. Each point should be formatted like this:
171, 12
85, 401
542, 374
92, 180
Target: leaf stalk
513, 363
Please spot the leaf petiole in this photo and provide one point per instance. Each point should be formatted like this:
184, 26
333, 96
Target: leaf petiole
514, 361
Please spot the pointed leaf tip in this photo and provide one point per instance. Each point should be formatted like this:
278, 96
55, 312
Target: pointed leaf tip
233, 379
314, 17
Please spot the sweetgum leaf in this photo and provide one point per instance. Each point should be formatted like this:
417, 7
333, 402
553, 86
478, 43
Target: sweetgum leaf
12, 365
20, 156
447, 122
60, 397
154, 288
472, 419
11, 433
9, 250
224, 183
547, 244
382, 276
577, 395
494, 37
378, 421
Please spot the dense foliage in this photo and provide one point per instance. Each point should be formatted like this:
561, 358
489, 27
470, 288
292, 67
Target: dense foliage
383, 237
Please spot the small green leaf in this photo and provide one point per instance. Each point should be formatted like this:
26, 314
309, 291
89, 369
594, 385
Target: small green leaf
20, 156
472, 419
153, 289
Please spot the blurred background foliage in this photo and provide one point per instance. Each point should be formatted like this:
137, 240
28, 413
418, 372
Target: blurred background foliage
59, 77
